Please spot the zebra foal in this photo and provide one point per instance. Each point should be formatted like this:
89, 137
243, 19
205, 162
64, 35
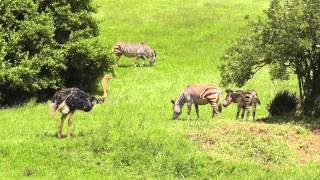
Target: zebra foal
197, 95
137, 50
244, 100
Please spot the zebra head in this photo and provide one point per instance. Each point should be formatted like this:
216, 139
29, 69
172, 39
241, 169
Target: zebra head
229, 98
232, 97
152, 55
176, 110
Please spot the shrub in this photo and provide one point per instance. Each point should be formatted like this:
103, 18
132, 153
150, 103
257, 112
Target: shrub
316, 109
46, 45
86, 61
285, 42
284, 102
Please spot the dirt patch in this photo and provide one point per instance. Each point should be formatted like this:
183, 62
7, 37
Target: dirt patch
308, 149
251, 140
205, 141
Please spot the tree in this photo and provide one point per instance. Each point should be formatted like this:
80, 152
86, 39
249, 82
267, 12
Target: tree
287, 41
46, 45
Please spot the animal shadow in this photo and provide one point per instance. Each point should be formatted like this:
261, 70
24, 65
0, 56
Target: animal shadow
125, 65
130, 66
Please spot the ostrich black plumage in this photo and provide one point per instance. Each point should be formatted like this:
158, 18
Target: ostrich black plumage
71, 99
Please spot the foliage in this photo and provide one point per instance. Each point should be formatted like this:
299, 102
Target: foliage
284, 102
86, 60
287, 41
42, 42
316, 109
137, 112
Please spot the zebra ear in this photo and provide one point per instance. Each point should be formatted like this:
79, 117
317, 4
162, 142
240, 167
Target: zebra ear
172, 101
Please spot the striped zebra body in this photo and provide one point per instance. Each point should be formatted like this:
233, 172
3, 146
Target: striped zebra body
197, 95
137, 50
244, 100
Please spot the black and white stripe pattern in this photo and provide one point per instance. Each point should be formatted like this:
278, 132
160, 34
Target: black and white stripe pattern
197, 95
137, 50
244, 100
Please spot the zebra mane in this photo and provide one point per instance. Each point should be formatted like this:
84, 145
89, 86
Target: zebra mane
235, 95
180, 100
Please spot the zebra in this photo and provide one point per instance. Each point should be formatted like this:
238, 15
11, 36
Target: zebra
137, 50
244, 99
69, 100
197, 95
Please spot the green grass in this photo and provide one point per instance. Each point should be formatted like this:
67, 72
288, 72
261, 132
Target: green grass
132, 135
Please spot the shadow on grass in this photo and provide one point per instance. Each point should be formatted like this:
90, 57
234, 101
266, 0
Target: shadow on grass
64, 136
188, 120
311, 123
132, 66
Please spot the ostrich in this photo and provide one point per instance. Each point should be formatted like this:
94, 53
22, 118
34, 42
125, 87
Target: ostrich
69, 100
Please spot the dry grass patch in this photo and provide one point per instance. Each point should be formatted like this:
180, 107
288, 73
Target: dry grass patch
260, 142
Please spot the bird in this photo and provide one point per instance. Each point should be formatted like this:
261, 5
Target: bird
69, 100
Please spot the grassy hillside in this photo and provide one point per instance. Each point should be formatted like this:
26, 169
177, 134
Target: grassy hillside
132, 134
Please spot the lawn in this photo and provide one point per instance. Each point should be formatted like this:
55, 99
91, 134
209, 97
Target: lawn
132, 134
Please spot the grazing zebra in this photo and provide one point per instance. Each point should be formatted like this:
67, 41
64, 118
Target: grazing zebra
197, 95
71, 99
137, 50
244, 101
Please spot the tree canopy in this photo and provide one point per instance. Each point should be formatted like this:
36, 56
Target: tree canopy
287, 41
46, 45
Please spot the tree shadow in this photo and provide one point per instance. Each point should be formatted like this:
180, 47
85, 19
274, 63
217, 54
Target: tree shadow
125, 65
16, 99
310, 123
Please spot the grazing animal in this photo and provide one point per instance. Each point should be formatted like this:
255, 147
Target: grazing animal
71, 99
137, 50
244, 100
197, 95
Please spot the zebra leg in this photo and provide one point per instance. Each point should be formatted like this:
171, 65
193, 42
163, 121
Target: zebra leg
197, 110
69, 125
238, 112
117, 61
144, 60
136, 63
248, 114
189, 110
242, 114
59, 132
253, 113
215, 110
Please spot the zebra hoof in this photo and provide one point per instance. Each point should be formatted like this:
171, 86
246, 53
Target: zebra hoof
59, 135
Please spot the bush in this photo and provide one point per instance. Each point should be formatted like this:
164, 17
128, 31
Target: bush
284, 102
316, 109
86, 61
47, 45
